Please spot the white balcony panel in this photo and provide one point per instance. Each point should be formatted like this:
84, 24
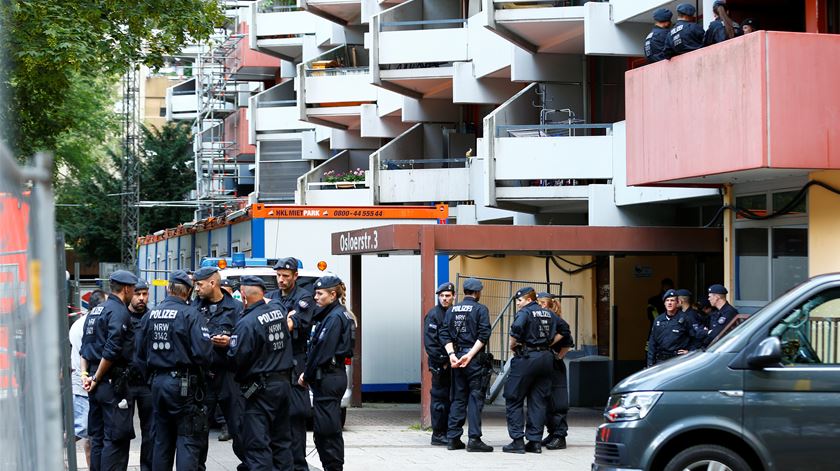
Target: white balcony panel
284, 118
344, 197
424, 185
184, 103
603, 37
347, 10
534, 158
287, 23
340, 89
639, 10
555, 30
415, 46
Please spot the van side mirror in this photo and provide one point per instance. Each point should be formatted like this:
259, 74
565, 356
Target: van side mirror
768, 353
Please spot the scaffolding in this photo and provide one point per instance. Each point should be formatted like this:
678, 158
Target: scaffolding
130, 194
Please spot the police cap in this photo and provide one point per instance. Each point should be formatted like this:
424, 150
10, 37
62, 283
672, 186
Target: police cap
123, 277
288, 263
524, 291
750, 22
544, 294
180, 276
141, 284
226, 282
686, 9
445, 287
671, 293
719, 3
718, 289
473, 284
251, 280
662, 14
204, 272
328, 281
683, 292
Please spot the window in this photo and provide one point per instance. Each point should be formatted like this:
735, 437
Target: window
809, 333
163, 111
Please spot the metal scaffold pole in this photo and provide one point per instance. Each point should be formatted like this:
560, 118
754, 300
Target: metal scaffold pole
130, 169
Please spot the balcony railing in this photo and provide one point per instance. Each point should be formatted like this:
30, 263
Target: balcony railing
337, 71
409, 25
553, 130
277, 6
393, 164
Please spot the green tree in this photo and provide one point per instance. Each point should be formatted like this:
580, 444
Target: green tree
166, 174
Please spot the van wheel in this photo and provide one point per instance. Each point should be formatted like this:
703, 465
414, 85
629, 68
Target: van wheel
707, 458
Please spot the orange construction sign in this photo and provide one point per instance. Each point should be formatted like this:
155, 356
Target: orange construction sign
262, 211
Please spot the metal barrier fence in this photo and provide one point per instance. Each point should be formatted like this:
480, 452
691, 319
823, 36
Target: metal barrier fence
30, 319
825, 332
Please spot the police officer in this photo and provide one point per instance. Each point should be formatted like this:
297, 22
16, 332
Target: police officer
106, 352
299, 304
466, 332
173, 344
719, 319
438, 361
332, 343
138, 386
722, 27
657, 38
260, 351
229, 288
558, 404
670, 333
533, 332
749, 25
686, 35
221, 312
697, 323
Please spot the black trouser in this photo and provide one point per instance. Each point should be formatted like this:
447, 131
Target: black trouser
265, 424
326, 398
222, 390
441, 395
117, 422
300, 409
142, 395
530, 377
558, 404
179, 424
467, 400
96, 429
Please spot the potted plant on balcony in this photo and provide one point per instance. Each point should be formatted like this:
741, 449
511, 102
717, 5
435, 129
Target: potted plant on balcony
346, 179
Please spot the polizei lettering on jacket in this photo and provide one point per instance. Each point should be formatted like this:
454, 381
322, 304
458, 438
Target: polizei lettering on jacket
270, 316
163, 314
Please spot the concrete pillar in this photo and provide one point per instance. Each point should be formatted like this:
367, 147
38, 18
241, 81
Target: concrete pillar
427, 300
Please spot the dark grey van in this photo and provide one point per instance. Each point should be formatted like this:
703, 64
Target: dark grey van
766, 396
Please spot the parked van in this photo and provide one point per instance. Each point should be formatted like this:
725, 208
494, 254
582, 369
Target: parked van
766, 396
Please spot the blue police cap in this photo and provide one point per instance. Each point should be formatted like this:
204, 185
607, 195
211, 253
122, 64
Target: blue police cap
180, 276
251, 280
750, 22
288, 263
718, 289
204, 272
671, 293
141, 284
719, 3
683, 292
328, 281
473, 284
226, 282
544, 294
524, 291
686, 9
123, 277
445, 287
662, 14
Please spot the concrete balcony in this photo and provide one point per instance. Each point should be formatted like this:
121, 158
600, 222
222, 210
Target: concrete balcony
247, 64
343, 12
412, 169
313, 188
283, 31
275, 111
236, 130
759, 108
182, 101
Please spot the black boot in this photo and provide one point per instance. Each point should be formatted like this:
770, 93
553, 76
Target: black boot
439, 440
533, 447
516, 446
476, 445
455, 444
556, 443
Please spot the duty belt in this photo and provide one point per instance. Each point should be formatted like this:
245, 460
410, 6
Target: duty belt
536, 348
176, 372
283, 375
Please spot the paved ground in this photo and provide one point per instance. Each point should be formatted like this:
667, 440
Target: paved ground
386, 436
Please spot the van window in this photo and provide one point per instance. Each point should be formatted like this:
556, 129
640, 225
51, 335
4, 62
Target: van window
809, 334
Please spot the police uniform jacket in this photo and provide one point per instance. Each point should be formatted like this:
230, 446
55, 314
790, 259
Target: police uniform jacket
260, 342
93, 331
668, 335
221, 318
301, 303
698, 328
136, 318
685, 36
717, 32
171, 336
433, 325
109, 334
332, 340
655, 44
534, 326
466, 322
718, 320
566, 340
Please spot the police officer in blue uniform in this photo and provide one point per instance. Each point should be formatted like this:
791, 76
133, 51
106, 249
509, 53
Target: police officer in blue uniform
558, 404
670, 334
696, 321
466, 332
719, 319
722, 27
221, 312
655, 42
299, 304
137, 385
686, 35
533, 332
438, 361
173, 345
331, 345
261, 352
107, 351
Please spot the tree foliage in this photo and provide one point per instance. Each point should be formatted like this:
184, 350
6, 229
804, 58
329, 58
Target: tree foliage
166, 174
